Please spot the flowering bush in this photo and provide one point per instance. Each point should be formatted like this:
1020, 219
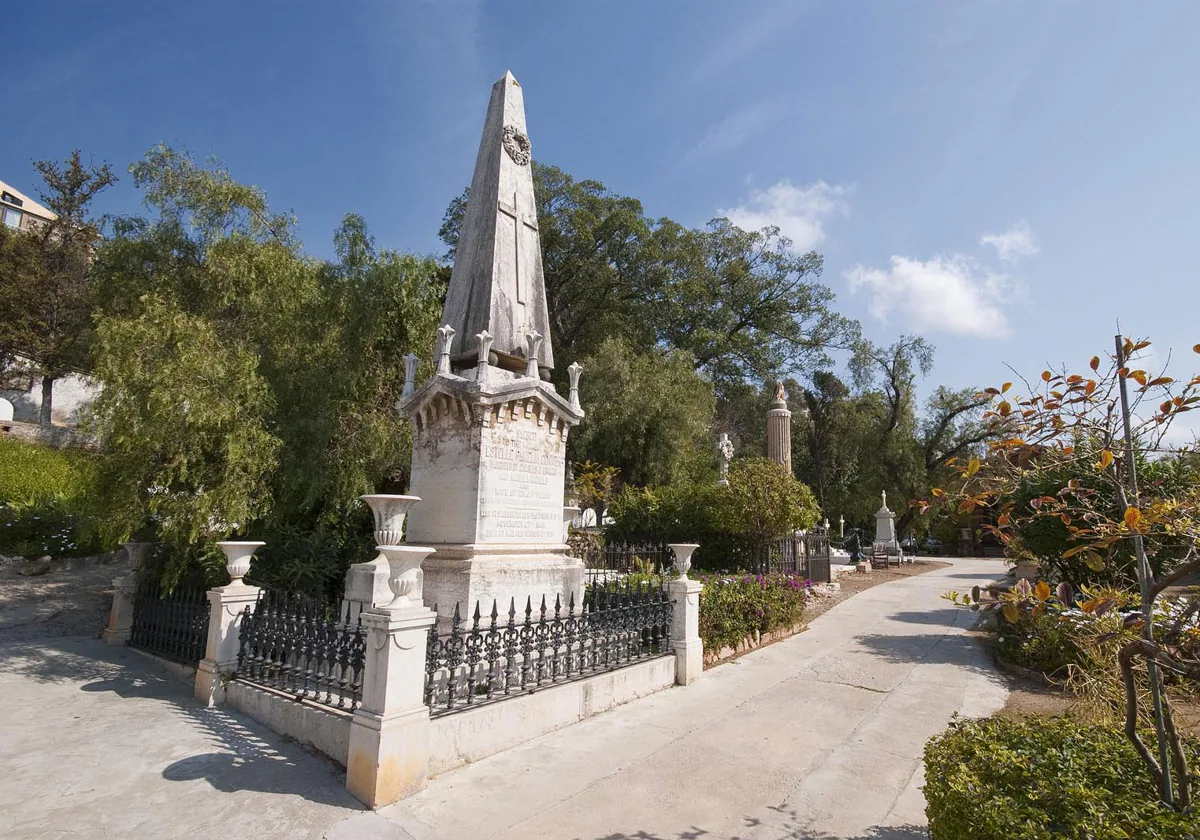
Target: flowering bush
733, 607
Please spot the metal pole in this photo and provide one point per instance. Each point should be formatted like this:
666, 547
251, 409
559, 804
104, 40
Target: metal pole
1144, 578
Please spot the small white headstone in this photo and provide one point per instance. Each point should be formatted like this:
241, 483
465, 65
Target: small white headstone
6, 410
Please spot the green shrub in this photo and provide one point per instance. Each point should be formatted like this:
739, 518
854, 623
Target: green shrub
45, 498
1044, 642
31, 475
762, 503
733, 607
996, 779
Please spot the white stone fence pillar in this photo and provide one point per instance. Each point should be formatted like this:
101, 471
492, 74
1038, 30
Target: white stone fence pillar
389, 736
227, 606
685, 617
120, 616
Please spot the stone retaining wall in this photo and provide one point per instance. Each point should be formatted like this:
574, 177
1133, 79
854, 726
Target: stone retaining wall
716, 657
321, 727
460, 738
463, 737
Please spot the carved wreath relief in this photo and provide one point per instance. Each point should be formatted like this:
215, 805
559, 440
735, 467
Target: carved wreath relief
516, 144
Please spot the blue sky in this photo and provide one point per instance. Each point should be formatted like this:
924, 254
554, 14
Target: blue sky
1007, 178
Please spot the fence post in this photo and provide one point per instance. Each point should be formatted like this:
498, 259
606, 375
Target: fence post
120, 615
685, 617
389, 735
227, 606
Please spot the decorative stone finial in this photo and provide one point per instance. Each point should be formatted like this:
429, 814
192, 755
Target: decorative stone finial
883, 494
574, 371
410, 375
238, 554
483, 347
725, 451
405, 578
533, 342
445, 337
683, 557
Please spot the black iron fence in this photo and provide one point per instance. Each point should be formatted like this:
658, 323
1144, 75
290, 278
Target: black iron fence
807, 553
305, 647
494, 656
173, 625
613, 562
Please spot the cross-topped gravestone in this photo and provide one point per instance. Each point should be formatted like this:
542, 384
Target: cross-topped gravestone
497, 284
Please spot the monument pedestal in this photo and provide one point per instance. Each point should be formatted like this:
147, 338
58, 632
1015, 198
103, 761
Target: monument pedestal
489, 461
466, 574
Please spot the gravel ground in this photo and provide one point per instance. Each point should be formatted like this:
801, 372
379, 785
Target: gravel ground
64, 602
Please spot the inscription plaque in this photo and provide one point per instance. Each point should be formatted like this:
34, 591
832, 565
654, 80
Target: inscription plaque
521, 486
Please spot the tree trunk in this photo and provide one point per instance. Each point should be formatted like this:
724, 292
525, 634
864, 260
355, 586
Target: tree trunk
46, 415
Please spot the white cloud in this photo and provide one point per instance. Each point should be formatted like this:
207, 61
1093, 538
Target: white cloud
799, 211
1014, 243
951, 294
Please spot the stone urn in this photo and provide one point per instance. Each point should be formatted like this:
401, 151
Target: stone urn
406, 578
390, 512
569, 514
683, 557
238, 554
137, 551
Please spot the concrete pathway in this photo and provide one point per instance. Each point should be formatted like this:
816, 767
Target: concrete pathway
818, 736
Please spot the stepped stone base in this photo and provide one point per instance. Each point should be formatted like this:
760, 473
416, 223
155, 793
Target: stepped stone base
465, 574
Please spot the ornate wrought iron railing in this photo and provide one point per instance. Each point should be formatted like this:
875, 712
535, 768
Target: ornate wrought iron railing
304, 647
172, 624
614, 562
494, 656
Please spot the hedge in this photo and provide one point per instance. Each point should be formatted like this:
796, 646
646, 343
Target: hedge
1043, 778
44, 497
32, 475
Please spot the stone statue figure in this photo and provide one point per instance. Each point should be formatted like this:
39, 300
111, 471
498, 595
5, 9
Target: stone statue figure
725, 450
780, 394
854, 546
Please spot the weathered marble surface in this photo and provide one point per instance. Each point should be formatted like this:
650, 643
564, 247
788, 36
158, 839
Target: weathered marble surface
497, 284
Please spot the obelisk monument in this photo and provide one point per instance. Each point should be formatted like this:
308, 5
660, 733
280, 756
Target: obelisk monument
489, 430
497, 282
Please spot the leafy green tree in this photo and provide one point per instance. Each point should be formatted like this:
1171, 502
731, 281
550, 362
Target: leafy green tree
648, 414
45, 284
247, 386
763, 502
907, 454
741, 303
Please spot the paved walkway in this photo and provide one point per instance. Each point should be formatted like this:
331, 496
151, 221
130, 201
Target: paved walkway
818, 736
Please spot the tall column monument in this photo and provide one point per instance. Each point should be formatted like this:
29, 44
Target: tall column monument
489, 430
779, 429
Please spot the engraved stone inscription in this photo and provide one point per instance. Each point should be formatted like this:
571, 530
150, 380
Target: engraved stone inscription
521, 485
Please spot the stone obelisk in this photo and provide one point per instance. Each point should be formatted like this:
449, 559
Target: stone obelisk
489, 433
497, 282
779, 429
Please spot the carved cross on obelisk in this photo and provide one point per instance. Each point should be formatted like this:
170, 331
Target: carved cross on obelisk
498, 282
521, 221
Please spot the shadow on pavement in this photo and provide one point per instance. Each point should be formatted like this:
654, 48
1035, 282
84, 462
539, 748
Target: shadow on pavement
944, 617
244, 755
